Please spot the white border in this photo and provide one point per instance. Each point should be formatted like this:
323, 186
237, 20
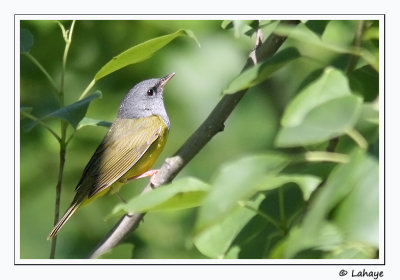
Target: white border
197, 16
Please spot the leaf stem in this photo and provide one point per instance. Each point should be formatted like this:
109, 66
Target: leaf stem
321, 156
64, 62
358, 138
88, 88
70, 137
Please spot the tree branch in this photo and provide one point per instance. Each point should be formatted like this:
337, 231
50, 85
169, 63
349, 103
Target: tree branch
173, 165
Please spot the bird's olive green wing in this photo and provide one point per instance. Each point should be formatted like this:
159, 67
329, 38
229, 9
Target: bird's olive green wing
125, 143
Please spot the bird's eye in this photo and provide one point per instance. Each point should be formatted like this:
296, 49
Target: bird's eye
150, 92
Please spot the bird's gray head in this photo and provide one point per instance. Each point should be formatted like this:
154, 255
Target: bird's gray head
145, 99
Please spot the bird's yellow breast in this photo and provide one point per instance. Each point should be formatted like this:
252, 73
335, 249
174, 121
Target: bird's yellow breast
148, 158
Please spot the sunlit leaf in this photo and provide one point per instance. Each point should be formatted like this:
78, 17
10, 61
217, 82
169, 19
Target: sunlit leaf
215, 241
234, 182
181, 194
242, 27
227, 24
307, 183
330, 85
305, 35
352, 250
261, 71
140, 52
324, 109
358, 214
371, 33
369, 113
331, 119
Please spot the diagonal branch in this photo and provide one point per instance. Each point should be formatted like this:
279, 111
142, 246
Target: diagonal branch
208, 129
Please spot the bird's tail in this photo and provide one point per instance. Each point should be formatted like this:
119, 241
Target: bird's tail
71, 210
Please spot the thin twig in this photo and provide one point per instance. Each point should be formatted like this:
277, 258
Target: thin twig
63, 141
58, 198
171, 167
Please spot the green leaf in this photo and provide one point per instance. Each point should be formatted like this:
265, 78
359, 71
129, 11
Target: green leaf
215, 241
322, 110
181, 194
92, 122
330, 85
307, 183
317, 26
305, 35
250, 230
121, 251
75, 112
140, 52
358, 214
26, 40
372, 32
227, 24
361, 173
328, 238
364, 81
331, 119
369, 113
353, 250
261, 71
72, 113
240, 27
236, 181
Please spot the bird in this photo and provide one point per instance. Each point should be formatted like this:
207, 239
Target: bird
131, 146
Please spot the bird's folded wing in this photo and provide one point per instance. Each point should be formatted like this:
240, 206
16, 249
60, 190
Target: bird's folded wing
125, 143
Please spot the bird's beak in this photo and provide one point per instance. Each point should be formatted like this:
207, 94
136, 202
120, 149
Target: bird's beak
166, 79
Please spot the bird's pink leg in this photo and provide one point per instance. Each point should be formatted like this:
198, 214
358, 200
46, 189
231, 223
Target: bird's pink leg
148, 173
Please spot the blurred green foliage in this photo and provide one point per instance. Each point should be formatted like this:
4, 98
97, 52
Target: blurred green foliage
271, 200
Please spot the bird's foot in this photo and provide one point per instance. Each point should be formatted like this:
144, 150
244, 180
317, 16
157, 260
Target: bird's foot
148, 173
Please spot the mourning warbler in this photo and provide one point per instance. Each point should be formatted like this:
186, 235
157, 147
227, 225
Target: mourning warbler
130, 147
